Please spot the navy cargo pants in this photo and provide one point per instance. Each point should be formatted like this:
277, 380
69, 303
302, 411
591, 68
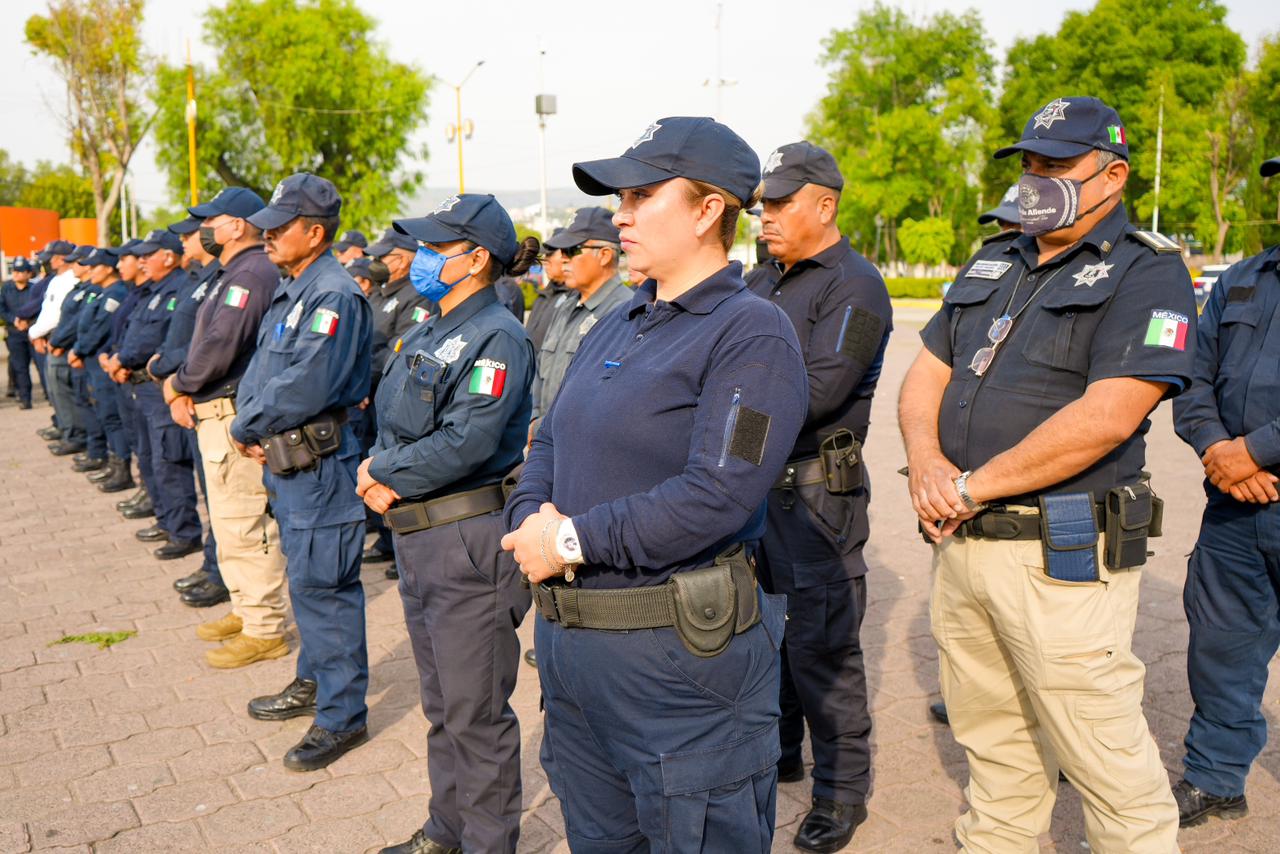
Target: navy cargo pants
1232, 600
172, 467
94, 436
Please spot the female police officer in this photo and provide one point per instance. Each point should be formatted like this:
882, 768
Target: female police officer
661, 690
452, 407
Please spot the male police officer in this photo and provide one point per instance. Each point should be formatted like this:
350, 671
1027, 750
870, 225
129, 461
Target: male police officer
312, 363
93, 333
1231, 416
817, 526
203, 392
40, 325
1023, 418
12, 295
350, 246
548, 297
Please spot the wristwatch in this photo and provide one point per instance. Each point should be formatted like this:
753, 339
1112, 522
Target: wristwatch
568, 549
962, 487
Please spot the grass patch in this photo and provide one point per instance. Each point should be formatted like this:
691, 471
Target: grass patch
102, 639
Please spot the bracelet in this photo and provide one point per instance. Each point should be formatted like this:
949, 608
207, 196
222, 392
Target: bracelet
556, 569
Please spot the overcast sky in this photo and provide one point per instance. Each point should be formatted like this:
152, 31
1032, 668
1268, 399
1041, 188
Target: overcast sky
612, 70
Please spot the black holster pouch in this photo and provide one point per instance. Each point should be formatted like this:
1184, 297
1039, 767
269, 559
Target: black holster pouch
301, 448
511, 481
712, 605
1131, 510
1069, 534
841, 456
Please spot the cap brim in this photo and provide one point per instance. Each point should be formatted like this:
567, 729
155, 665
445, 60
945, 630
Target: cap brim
780, 188
208, 209
339, 246
564, 240
269, 218
605, 177
43, 257
146, 249
1269, 167
427, 229
1002, 213
1046, 148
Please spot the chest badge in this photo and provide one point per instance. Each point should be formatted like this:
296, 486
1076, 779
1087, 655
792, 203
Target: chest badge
451, 349
988, 270
155, 301
585, 326
1091, 273
199, 292
295, 314
391, 305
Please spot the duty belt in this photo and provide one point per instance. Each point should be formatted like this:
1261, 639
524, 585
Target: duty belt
1000, 524
140, 377
420, 515
801, 473
219, 407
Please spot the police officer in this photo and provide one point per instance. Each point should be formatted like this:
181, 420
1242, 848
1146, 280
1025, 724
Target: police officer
94, 457
57, 374
1023, 418
94, 331
453, 406
1231, 416
362, 273
548, 296
27, 311
203, 392
85, 433
139, 505
589, 246
311, 364
657, 654
817, 519
13, 295
350, 246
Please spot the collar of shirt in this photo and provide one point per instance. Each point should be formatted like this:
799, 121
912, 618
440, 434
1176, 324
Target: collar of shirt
603, 292
464, 312
393, 287
1102, 238
702, 298
174, 280
242, 258
828, 258
293, 287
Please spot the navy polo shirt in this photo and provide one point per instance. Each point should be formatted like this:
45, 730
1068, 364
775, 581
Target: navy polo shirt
177, 339
64, 334
1109, 306
1236, 389
840, 308
672, 423
396, 308
95, 321
134, 295
454, 402
150, 320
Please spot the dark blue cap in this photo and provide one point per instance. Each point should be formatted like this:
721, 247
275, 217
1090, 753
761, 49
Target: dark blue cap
349, 239
1270, 167
795, 164
240, 202
22, 265
1069, 127
126, 248
100, 256
471, 216
391, 239
1006, 211
360, 267
186, 226
588, 224
77, 255
161, 238
60, 247
701, 149
301, 194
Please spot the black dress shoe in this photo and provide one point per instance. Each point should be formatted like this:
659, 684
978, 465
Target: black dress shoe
531, 657
24, 404
49, 434
80, 457
790, 773
142, 510
132, 500
1196, 805
103, 473
186, 582
154, 534
89, 464
319, 748
420, 843
66, 449
375, 556
205, 594
119, 479
939, 712
298, 699
829, 825
175, 549
391, 572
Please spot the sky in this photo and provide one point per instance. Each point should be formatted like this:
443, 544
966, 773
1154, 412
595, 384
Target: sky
613, 68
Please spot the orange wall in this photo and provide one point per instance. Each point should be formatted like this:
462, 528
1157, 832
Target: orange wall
79, 231
25, 231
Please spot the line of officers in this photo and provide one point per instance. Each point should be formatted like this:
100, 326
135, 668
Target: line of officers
404, 391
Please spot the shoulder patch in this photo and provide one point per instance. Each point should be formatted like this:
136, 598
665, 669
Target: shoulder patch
1240, 293
999, 236
860, 335
1157, 241
749, 436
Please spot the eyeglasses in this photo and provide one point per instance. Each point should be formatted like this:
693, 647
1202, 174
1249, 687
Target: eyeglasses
575, 251
995, 335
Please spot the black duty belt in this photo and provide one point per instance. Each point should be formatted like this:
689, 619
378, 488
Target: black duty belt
140, 377
420, 515
998, 524
802, 473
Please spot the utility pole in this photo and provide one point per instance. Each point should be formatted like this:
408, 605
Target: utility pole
191, 127
544, 105
459, 130
718, 82
1155, 211
124, 208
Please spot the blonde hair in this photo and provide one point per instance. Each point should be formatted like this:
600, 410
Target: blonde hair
696, 191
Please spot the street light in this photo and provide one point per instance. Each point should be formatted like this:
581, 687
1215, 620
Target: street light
460, 130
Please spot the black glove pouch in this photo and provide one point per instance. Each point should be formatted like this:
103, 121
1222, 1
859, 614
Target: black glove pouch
841, 456
1130, 511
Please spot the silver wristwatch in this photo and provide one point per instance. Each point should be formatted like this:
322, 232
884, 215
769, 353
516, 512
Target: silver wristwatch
962, 487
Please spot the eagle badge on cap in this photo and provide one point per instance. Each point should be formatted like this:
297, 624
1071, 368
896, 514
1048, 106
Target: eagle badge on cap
647, 136
446, 205
277, 193
1054, 111
774, 161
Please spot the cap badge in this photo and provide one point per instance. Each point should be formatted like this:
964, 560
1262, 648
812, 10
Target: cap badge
647, 136
446, 205
279, 191
774, 161
1054, 111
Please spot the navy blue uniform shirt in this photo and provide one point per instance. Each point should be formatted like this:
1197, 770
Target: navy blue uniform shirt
672, 423
64, 334
150, 321
33, 298
396, 308
136, 295
1236, 388
86, 318
840, 308
453, 404
95, 320
13, 301
226, 327
191, 295
312, 356
1109, 306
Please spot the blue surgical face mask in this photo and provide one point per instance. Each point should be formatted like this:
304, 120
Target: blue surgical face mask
424, 273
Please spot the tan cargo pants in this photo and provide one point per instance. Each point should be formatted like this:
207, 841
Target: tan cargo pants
249, 553
1037, 675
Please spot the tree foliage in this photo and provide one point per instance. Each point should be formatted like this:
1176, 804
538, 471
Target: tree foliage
300, 85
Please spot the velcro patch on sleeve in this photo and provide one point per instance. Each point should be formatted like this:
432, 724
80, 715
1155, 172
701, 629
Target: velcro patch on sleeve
1239, 294
749, 435
860, 335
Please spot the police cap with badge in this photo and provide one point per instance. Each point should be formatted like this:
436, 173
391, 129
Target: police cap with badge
593, 223
391, 239
792, 166
22, 265
301, 194
349, 239
473, 217
157, 240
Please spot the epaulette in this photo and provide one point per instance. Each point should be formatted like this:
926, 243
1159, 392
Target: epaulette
1157, 241
1009, 234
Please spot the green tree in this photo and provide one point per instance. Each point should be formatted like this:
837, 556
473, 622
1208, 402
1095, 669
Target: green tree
1262, 197
61, 189
12, 176
301, 85
927, 241
903, 115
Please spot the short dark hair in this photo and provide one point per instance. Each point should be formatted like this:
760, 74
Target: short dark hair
328, 223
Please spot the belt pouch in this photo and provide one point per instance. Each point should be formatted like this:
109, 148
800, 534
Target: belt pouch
287, 452
840, 454
705, 609
323, 436
1129, 513
1069, 532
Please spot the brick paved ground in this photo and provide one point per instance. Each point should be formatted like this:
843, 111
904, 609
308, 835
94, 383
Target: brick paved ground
145, 748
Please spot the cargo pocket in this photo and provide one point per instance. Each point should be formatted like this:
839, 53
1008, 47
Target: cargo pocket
1120, 736
1085, 665
722, 798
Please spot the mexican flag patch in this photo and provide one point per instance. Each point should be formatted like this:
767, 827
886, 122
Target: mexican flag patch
1167, 329
1116, 134
488, 377
237, 297
325, 322
419, 314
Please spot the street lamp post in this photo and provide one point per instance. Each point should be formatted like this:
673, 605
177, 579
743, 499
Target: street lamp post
459, 130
